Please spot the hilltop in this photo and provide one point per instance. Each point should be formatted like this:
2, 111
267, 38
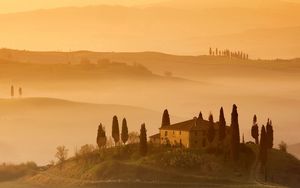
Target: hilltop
122, 166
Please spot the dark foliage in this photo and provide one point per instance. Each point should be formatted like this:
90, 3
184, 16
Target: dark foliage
165, 119
263, 147
235, 133
269, 130
211, 129
101, 136
124, 134
254, 130
143, 140
222, 124
115, 130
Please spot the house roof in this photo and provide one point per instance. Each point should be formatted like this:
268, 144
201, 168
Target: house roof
155, 136
190, 125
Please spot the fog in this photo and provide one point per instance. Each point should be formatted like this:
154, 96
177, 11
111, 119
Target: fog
32, 127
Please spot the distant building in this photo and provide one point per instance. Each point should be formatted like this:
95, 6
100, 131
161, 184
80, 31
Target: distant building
189, 134
155, 139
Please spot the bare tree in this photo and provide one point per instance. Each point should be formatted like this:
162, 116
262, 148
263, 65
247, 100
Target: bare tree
61, 154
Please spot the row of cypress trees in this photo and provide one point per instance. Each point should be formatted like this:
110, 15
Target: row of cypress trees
102, 139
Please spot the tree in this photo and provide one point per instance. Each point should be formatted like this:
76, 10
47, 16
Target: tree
283, 146
124, 134
222, 125
61, 154
20, 92
165, 119
269, 134
235, 133
200, 117
211, 130
101, 137
12, 91
210, 51
263, 147
115, 130
254, 130
143, 140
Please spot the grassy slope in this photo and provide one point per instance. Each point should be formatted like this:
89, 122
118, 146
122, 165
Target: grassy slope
212, 171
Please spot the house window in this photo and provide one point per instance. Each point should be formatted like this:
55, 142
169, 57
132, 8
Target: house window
179, 132
196, 133
173, 132
166, 133
196, 142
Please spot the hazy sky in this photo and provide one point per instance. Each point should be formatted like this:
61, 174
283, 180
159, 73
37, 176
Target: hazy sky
7, 6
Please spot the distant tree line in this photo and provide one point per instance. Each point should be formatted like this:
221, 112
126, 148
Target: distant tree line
228, 53
12, 91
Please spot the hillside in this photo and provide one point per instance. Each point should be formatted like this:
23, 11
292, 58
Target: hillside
53, 122
206, 83
192, 168
180, 29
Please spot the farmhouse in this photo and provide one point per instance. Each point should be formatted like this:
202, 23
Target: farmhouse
189, 134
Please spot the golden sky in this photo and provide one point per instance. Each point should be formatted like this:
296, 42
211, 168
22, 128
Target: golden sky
7, 6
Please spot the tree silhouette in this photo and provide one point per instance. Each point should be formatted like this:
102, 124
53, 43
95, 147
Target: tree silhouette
12, 91
20, 92
200, 117
124, 134
254, 130
101, 137
263, 147
165, 119
222, 125
115, 130
211, 129
143, 140
269, 130
61, 154
235, 133
210, 51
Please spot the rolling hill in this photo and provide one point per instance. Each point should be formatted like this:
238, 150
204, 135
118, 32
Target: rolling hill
52, 122
159, 27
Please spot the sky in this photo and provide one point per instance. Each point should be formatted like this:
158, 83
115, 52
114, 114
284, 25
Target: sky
8, 6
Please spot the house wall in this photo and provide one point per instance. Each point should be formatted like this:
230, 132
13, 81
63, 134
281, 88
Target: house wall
191, 139
175, 137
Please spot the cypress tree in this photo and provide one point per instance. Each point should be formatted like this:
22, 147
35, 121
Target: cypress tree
210, 51
222, 125
200, 117
115, 130
165, 119
269, 134
124, 134
263, 147
101, 137
254, 130
235, 133
211, 130
143, 140
12, 91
